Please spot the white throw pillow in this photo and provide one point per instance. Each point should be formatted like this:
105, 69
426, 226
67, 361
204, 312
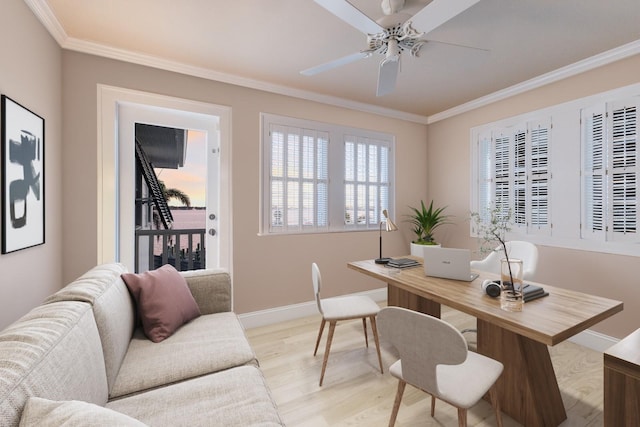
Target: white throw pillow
43, 413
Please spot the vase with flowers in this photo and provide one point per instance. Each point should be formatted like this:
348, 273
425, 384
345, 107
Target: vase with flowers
491, 229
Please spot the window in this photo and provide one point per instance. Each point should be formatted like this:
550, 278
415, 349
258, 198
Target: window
320, 178
574, 184
513, 175
610, 171
366, 180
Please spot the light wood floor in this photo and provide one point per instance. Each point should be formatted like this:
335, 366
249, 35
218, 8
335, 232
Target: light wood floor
355, 393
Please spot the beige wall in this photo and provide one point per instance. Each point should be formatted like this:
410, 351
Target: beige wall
269, 271
30, 74
448, 182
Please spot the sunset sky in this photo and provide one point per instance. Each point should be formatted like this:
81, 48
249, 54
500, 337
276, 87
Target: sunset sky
190, 178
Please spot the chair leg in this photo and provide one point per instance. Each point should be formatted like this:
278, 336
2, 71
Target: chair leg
374, 328
364, 327
332, 328
462, 417
493, 395
319, 336
433, 405
396, 404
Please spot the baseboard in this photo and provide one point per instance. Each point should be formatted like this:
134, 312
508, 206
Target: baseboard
594, 340
589, 339
295, 311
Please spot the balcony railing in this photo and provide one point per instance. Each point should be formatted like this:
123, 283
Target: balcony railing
184, 249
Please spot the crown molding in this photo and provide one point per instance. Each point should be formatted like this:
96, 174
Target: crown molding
576, 68
205, 73
46, 16
43, 12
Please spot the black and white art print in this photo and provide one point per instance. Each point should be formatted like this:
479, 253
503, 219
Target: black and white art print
22, 177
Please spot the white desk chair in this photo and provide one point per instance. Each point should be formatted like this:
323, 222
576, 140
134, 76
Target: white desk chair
435, 359
526, 251
343, 308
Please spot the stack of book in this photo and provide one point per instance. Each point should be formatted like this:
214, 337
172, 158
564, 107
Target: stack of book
403, 263
531, 292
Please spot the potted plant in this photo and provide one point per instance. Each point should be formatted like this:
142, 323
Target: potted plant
425, 221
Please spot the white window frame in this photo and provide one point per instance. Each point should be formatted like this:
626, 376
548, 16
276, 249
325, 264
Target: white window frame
610, 156
569, 174
511, 165
369, 144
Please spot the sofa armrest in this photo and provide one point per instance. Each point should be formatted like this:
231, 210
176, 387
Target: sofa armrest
211, 288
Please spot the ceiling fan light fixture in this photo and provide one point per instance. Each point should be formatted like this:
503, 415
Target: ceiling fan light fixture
393, 50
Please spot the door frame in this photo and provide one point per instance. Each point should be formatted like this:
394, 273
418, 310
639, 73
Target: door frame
110, 99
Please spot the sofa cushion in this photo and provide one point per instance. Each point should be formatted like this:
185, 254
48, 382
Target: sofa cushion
235, 397
53, 352
103, 288
208, 344
51, 413
163, 301
211, 288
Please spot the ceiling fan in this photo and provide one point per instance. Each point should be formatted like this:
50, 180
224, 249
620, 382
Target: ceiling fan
392, 34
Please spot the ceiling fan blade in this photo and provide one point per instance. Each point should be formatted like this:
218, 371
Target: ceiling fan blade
387, 76
438, 12
351, 15
335, 63
464, 46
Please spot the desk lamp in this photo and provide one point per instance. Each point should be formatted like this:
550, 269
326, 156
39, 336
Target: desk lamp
389, 226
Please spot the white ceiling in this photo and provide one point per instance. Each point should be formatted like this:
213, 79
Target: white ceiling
266, 43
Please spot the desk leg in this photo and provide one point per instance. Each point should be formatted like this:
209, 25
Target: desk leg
400, 298
528, 389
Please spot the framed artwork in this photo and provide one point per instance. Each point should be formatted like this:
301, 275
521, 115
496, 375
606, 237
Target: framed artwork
22, 177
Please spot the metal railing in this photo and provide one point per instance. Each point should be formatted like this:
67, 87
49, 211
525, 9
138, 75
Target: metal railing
184, 249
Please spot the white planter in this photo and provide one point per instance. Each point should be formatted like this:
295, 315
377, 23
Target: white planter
418, 250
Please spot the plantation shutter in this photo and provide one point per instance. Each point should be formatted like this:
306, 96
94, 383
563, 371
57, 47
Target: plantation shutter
367, 180
593, 173
484, 176
539, 177
519, 207
515, 175
298, 179
502, 178
623, 173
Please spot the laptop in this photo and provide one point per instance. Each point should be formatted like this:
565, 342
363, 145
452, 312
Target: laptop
448, 263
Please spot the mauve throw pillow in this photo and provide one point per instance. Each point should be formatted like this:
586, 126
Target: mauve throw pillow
163, 300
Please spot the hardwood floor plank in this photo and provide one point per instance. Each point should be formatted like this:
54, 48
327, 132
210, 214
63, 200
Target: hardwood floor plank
355, 393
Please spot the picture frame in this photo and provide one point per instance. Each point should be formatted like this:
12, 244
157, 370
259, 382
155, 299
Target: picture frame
23, 213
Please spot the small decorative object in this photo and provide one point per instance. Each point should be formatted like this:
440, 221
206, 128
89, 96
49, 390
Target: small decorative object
389, 226
22, 177
511, 297
425, 221
491, 229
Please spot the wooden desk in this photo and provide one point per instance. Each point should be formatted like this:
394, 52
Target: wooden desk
528, 388
622, 382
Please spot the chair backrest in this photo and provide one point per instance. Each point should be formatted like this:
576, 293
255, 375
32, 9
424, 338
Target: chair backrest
423, 342
316, 278
526, 251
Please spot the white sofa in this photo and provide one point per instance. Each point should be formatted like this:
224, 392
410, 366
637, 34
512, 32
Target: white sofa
81, 355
